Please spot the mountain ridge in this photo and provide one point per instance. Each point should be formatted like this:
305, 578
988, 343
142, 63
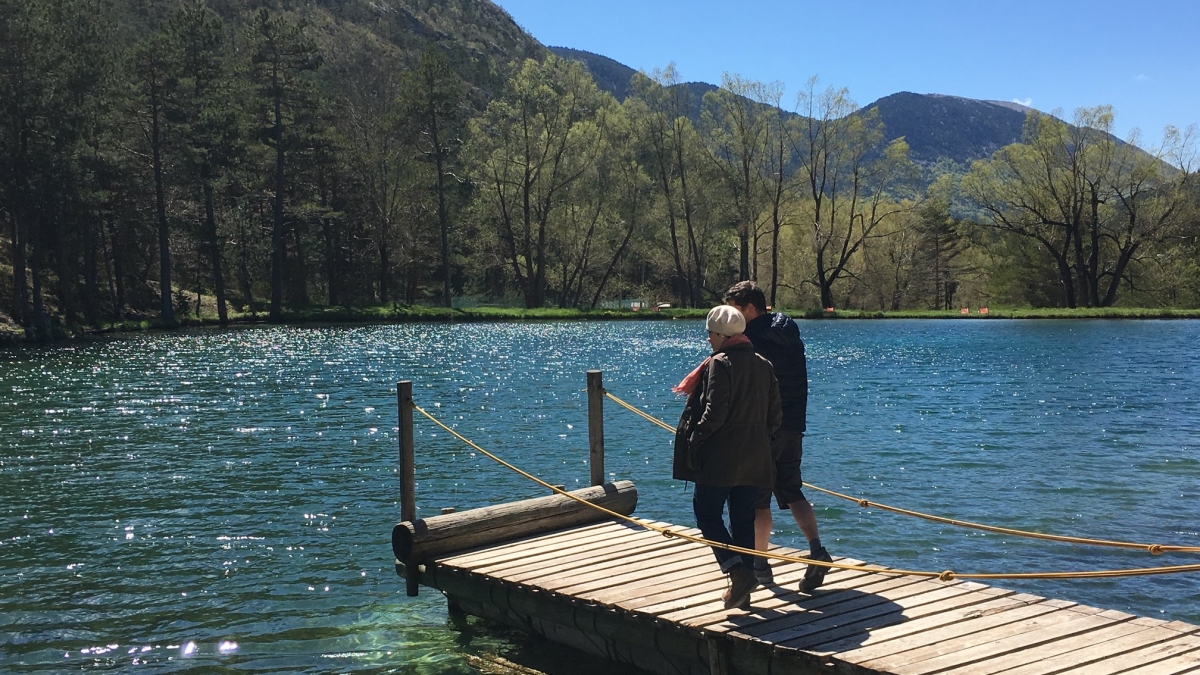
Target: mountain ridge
936, 127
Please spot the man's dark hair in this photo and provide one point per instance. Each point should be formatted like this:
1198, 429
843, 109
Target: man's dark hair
747, 293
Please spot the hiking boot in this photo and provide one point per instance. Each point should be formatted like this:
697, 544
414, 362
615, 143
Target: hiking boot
762, 572
814, 576
741, 584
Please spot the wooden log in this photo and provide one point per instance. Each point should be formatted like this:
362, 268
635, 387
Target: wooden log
595, 395
420, 540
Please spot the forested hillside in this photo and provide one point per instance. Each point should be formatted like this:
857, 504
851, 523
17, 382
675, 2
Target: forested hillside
214, 157
939, 128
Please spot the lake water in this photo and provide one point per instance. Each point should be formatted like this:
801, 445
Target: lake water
223, 500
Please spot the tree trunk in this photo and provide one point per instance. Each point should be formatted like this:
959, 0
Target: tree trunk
695, 278
744, 258
616, 257
443, 216
65, 274
1064, 276
20, 285
166, 307
107, 256
329, 232
296, 273
215, 250
1110, 295
91, 274
243, 267
40, 321
774, 256
118, 271
276, 314
384, 263
824, 283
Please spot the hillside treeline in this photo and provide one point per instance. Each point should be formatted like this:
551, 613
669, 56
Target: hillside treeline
173, 158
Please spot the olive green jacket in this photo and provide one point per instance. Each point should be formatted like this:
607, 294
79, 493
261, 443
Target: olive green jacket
724, 434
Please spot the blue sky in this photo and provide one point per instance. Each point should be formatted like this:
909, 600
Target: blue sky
1141, 57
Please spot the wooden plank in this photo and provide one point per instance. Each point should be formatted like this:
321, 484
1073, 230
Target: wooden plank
1151, 633
1182, 644
566, 548
719, 585
957, 610
785, 608
696, 594
1183, 663
839, 602
576, 577
767, 603
858, 607
763, 599
1022, 636
783, 614
682, 577
1033, 657
479, 554
548, 548
970, 626
708, 579
539, 544
588, 559
635, 575
896, 611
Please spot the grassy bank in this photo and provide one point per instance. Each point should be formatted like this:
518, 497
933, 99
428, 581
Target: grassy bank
1011, 313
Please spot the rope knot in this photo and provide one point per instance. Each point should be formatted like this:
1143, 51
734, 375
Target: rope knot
864, 503
948, 575
1156, 549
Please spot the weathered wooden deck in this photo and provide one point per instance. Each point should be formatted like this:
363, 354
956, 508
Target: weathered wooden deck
638, 597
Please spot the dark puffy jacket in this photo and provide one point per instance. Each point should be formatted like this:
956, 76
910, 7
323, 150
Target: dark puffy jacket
776, 337
724, 434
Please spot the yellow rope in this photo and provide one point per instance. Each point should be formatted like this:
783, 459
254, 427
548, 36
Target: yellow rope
1155, 549
640, 413
947, 575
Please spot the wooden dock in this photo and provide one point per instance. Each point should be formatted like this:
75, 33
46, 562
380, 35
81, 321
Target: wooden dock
559, 567
637, 597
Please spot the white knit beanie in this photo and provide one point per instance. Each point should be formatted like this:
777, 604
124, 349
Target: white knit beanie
725, 320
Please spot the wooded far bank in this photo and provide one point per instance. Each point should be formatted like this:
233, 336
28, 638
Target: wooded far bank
338, 156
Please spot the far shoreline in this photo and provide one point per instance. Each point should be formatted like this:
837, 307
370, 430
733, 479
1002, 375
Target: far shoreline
14, 336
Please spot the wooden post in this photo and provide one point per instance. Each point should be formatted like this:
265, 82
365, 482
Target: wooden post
595, 394
408, 479
408, 475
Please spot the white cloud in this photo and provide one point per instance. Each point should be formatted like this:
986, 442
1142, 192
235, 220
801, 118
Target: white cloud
1142, 77
1027, 102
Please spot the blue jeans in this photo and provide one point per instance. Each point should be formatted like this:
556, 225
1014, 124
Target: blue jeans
708, 503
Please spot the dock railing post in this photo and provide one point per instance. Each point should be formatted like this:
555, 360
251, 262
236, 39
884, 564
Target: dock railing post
595, 394
408, 480
408, 474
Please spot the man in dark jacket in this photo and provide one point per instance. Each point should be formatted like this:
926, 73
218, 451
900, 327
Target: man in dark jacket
776, 337
723, 444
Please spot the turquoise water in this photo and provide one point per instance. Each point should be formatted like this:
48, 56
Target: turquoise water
223, 500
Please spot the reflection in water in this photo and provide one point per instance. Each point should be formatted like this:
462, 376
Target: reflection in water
223, 499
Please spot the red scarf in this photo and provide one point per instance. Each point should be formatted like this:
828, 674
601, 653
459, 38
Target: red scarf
689, 383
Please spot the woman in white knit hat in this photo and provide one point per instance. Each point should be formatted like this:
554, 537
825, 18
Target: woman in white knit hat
723, 443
